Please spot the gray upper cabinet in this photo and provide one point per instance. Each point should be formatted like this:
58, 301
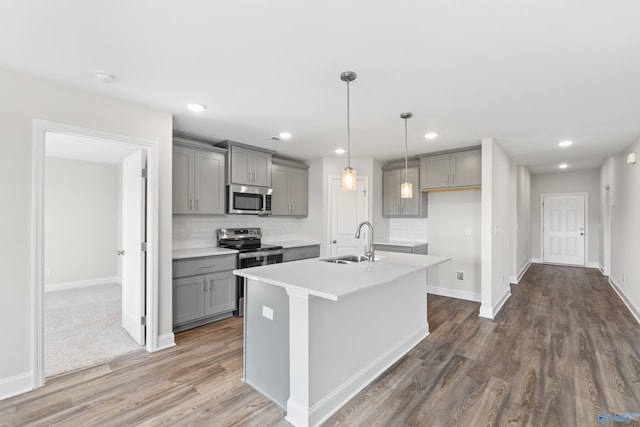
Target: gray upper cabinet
395, 206
250, 167
451, 170
290, 189
198, 181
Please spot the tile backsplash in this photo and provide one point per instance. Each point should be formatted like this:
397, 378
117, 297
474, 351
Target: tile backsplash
408, 229
199, 231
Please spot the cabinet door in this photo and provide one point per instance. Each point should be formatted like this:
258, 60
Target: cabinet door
262, 169
391, 193
466, 168
183, 180
209, 183
435, 171
241, 168
280, 204
188, 301
298, 192
411, 207
220, 293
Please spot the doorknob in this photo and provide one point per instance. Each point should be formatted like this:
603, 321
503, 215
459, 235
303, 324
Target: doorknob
334, 241
120, 252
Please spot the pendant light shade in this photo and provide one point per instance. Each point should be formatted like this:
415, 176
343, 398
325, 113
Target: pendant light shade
348, 174
406, 190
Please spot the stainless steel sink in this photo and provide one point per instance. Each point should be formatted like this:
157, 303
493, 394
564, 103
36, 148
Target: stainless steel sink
346, 259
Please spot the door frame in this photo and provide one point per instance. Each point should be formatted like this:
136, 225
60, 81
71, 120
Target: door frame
328, 221
586, 224
40, 128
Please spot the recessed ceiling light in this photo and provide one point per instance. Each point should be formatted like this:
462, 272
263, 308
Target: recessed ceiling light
196, 108
285, 135
431, 135
339, 151
563, 165
105, 77
565, 143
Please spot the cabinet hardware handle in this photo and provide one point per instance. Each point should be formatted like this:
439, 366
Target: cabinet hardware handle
205, 266
120, 252
249, 175
190, 203
203, 286
453, 178
334, 241
254, 176
293, 207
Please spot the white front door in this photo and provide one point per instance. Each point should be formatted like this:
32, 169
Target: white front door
133, 235
564, 229
348, 209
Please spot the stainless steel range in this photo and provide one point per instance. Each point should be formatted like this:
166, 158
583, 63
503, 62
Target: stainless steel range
251, 253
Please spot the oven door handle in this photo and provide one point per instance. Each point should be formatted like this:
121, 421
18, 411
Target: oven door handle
259, 254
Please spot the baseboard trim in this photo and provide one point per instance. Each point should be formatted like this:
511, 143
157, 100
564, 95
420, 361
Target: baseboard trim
166, 341
516, 279
16, 385
454, 293
593, 265
536, 260
492, 312
297, 414
624, 299
61, 286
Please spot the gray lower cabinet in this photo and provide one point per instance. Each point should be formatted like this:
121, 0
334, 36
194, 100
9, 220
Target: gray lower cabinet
290, 190
301, 252
395, 206
457, 169
204, 290
390, 247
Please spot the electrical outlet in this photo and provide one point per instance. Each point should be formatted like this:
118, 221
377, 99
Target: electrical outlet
267, 312
460, 275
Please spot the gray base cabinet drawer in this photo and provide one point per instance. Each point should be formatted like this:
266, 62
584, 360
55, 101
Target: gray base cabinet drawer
419, 249
294, 254
203, 265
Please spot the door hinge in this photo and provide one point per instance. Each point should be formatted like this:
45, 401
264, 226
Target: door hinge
143, 320
144, 172
143, 247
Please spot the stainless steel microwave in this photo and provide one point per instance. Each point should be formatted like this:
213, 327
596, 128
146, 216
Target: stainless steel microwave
242, 199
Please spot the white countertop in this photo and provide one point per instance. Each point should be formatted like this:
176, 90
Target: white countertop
200, 252
293, 243
334, 281
407, 243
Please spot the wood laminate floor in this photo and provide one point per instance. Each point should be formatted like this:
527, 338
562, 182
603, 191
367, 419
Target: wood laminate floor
563, 349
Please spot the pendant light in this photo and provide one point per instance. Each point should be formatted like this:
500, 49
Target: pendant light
348, 174
406, 190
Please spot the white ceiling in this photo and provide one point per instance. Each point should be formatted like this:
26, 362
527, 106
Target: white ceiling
528, 73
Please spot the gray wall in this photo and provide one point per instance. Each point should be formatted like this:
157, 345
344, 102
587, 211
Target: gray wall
568, 182
81, 220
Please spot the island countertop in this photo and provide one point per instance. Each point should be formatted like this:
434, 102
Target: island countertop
334, 281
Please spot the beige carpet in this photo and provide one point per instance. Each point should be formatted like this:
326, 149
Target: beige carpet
83, 328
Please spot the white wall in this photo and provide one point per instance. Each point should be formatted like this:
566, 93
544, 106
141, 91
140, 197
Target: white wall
624, 182
80, 220
522, 234
568, 182
495, 227
454, 231
23, 99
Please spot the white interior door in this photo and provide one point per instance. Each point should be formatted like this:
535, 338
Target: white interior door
348, 209
133, 235
564, 229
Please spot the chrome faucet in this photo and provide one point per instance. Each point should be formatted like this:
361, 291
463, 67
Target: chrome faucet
368, 250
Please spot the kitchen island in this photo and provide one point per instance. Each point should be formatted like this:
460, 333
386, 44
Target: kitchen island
316, 332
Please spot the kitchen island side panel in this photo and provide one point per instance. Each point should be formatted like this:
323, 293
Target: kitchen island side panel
363, 333
266, 344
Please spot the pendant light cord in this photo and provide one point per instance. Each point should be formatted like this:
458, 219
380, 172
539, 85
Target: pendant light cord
348, 129
406, 162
